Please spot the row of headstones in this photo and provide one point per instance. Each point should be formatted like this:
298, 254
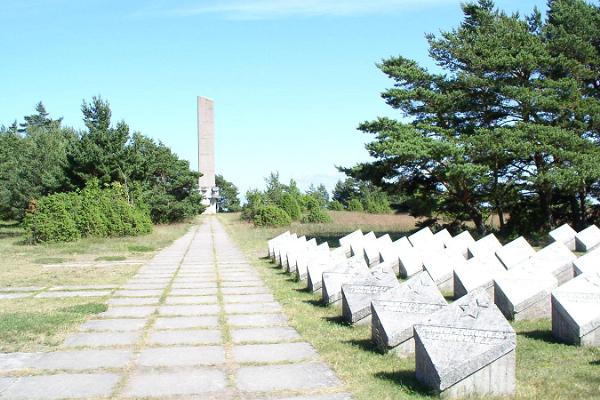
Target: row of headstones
467, 347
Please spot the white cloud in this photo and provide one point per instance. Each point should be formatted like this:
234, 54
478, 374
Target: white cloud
271, 9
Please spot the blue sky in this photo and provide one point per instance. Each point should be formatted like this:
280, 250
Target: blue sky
291, 79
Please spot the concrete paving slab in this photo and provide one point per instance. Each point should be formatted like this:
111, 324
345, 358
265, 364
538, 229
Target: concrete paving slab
173, 300
187, 382
252, 308
302, 376
189, 310
181, 356
113, 325
205, 321
271, 353
62, 386
101, 339
261, 320
264, 335
175, 337
128, 312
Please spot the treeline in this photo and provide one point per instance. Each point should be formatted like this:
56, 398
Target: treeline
41, 157
510, 125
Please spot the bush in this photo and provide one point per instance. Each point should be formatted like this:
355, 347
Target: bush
355, 205
290, 205
271, 215
336, 206
65, 217
316, 216
377, 204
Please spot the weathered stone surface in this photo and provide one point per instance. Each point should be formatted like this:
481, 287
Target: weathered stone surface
194, 284
83, 359
61, 386
424, 239
81, 287
443, 236
460, 243
329, 396
204, 321
410, 262
515, 252
252, 308
102, 339
484, 247
113, 325
8, 296
193, 292
22, 289
256, 320
189, 310
346, 240
303, 376
357, 245
589, 262
372, 250
144, 286
461, 339
181, 356
477, 273
175, 300
83, 293
10, 362
272, 243
556, 259
357, 295
174, 337
271, 353
300, 249
128, 312
139, 293
354, 269
245, 290
396, 312
440, 266
304, 259
264, 335
588, 239
248, 298
315, 269
181, 382
390, 254
281, 245
564, 234
524, 293
133, 301
576, 310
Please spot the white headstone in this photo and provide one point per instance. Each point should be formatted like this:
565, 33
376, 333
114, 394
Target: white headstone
555, 258
288, 248
588, 239
524, 293
297, 251
410, 262
357, 245
477, 273
271, 243
357, 295
565, 235
466, 349
281, 246
424, 239
346, 240
443, 236
576, 311
484, 247
315, 269
391, 253
395, 313
303, 260
440, 265
461, 242
373, 249
515, 252
589, 262
355, 268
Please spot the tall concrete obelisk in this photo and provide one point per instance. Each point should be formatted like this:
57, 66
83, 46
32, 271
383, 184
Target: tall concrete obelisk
206, 154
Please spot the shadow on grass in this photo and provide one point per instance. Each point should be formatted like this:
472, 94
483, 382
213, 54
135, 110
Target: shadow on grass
316, 302
597, 362
8, 235
338, 320
365, 345
541, 335
407, 379
303, 290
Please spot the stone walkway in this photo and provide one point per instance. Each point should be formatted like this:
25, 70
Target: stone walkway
195, 322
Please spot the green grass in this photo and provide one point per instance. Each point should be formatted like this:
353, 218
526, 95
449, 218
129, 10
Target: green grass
140, 248
111, 258
545, 369
19, 329
49, 260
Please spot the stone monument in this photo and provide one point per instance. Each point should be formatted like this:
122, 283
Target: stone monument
206, 154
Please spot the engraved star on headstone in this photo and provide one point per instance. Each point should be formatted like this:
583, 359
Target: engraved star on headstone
473, 308
594, 280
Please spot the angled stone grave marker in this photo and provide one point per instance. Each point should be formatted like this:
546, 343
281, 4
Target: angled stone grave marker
524, 293
280, 246
410, 262
396, 311
315, 270
461, 242
484, 247
576, 311
271, 243
589, 262
443, 236
440, 266
477, 273
588, 239
346, 240
372, 250
289, 248
425, 239
354, 268
303, 260
466, 349
300, 248
357, 295
555, 258
565, 235
515, 252
277, 244
391, 253
357, 246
